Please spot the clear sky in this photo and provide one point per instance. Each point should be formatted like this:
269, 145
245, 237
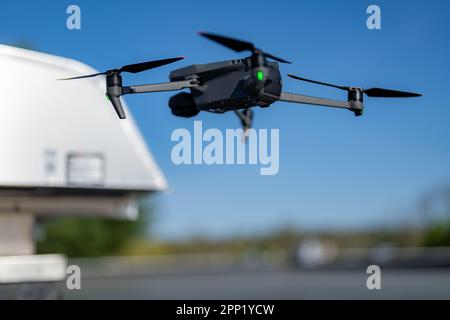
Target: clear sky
336, 171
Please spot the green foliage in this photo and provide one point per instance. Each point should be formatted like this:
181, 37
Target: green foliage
437, 235
89, 237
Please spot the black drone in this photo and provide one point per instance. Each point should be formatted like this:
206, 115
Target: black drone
233, 85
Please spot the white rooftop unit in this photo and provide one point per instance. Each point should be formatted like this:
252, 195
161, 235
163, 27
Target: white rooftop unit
63, 149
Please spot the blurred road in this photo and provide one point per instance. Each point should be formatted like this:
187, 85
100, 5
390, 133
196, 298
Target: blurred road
273, 284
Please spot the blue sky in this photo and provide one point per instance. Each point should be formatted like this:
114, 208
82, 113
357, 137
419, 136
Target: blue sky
336, 171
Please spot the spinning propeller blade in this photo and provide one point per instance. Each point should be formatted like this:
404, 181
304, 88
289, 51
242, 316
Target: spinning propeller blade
386, 93
239, 45
139, 67
132, 68
84, 77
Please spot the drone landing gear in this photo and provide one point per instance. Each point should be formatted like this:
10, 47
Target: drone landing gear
246, 117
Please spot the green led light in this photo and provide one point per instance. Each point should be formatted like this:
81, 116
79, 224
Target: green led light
260, 75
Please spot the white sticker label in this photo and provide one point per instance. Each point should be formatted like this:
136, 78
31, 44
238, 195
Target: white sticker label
85, 169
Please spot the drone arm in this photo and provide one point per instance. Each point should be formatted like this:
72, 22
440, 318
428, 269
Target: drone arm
115, 90
298, 98
161, 87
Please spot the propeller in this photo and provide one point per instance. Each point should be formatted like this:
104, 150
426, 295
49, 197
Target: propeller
372, 92
132, 68
239, 45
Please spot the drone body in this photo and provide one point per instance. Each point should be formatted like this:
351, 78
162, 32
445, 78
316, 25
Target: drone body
234, 85
229, 86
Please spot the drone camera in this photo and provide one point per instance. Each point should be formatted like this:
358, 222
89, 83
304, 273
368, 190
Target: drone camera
183, 105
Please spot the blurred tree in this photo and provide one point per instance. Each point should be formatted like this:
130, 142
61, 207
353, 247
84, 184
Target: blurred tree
90, 237
438, 235
435, 209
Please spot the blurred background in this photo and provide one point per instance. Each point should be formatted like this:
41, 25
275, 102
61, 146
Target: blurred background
350, 192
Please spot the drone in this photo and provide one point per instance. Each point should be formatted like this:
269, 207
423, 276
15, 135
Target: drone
234, 85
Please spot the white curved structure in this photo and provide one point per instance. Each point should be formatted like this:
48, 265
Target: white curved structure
63, 149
